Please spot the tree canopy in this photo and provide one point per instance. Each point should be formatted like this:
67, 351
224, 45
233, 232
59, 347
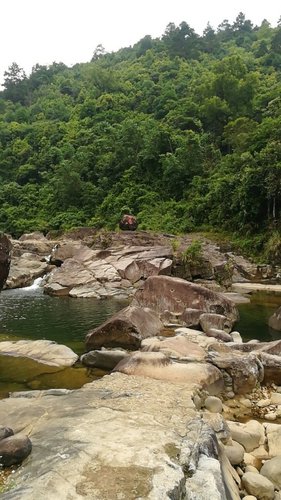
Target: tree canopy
183, 129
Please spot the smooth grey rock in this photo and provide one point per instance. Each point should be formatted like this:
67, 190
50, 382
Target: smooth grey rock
272, 470
234, 452
104, 359
213, 404
257, 485
273, 433
42, 351
250, 435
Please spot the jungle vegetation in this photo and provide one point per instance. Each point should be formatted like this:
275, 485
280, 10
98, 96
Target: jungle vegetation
183, 131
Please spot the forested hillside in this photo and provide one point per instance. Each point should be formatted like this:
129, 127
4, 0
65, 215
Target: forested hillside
183, 131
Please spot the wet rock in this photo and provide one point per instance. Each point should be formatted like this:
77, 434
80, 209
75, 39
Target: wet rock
164, 293
126, 329
259, 486
14, 449
104, 359
25, 269
272, 471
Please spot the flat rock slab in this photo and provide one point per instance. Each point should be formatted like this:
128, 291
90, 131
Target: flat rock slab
118, 437
255, 287
42, 351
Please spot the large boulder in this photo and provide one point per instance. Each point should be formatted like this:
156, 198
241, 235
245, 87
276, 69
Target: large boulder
5, 258
128, 223
157, 365
25, 269
245, 370
170, 297
127, 329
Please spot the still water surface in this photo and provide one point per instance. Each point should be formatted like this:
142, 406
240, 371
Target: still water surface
30, 314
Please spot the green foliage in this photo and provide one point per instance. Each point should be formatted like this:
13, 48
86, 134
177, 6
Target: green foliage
272, 250
184, 130
193, 254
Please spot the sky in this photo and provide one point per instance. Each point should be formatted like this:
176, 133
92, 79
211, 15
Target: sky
44, 31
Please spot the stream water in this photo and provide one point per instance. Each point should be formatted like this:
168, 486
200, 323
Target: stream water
27, 313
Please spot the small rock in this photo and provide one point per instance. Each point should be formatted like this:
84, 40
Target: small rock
14, 449
251, 460
272, 471
230, 395
236, 337
234, 453
249, 497
251, 468
246, 402
270, 416
263, 403
257, 485
250, 435
239, 471
213, 404
275, 398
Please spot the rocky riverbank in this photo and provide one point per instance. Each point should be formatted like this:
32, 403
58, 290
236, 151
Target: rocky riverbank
188, 412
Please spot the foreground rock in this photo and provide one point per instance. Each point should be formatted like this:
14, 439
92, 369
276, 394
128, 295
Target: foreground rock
120, 437
14, 449
127, 329
172, 299
42, 351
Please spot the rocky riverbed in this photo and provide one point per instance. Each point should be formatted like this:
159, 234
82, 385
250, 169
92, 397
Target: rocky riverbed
192, 415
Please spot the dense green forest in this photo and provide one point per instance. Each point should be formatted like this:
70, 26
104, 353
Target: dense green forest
183, 131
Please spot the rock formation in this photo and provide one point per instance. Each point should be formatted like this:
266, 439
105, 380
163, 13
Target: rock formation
5, 258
